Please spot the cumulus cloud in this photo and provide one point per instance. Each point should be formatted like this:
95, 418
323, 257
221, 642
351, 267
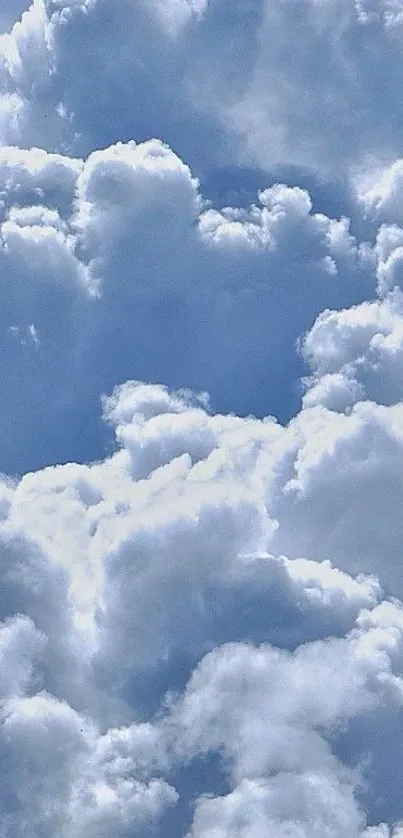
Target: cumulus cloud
71, 786
130, 570
20, 643
262, 99
201, 621
324, 480
57, 91
355, 352
194, 480
11, 14
316, 90
100, 254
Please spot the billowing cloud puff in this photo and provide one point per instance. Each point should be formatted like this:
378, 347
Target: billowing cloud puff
201, 620
134, 571
329, 476
355, 352
55, 81
99, 255
74, 788
307, 84
319, 80
198, 483
380, 193
174, 16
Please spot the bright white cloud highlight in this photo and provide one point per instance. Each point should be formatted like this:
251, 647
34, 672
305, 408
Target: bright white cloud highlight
158, 555
201, 633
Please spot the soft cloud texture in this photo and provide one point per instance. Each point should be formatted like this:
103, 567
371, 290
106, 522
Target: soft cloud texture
201, 620
150, 559
99, 255
305, 84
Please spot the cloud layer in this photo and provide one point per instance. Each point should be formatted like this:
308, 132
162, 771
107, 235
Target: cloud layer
134, 571
298, 84
98, 256
201, 618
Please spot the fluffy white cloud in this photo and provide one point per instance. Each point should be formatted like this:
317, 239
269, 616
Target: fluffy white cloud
380, 193
307, 84
356, 352
270, 714
184, 503
316, 88
175, 14
201, 632
71, 785
52, 70
339, 482
129, 570
38, 246
99, 255
301, 806
11, 13
20, 643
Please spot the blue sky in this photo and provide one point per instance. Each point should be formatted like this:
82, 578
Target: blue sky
201, 444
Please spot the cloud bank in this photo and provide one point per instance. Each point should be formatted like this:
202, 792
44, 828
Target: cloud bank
201, 434
302, 84
100, 254
146, 581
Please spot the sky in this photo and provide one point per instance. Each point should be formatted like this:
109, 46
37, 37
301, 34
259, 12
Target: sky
201, 424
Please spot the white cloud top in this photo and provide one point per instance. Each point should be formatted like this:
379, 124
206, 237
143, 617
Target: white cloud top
201, 619
129, 568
